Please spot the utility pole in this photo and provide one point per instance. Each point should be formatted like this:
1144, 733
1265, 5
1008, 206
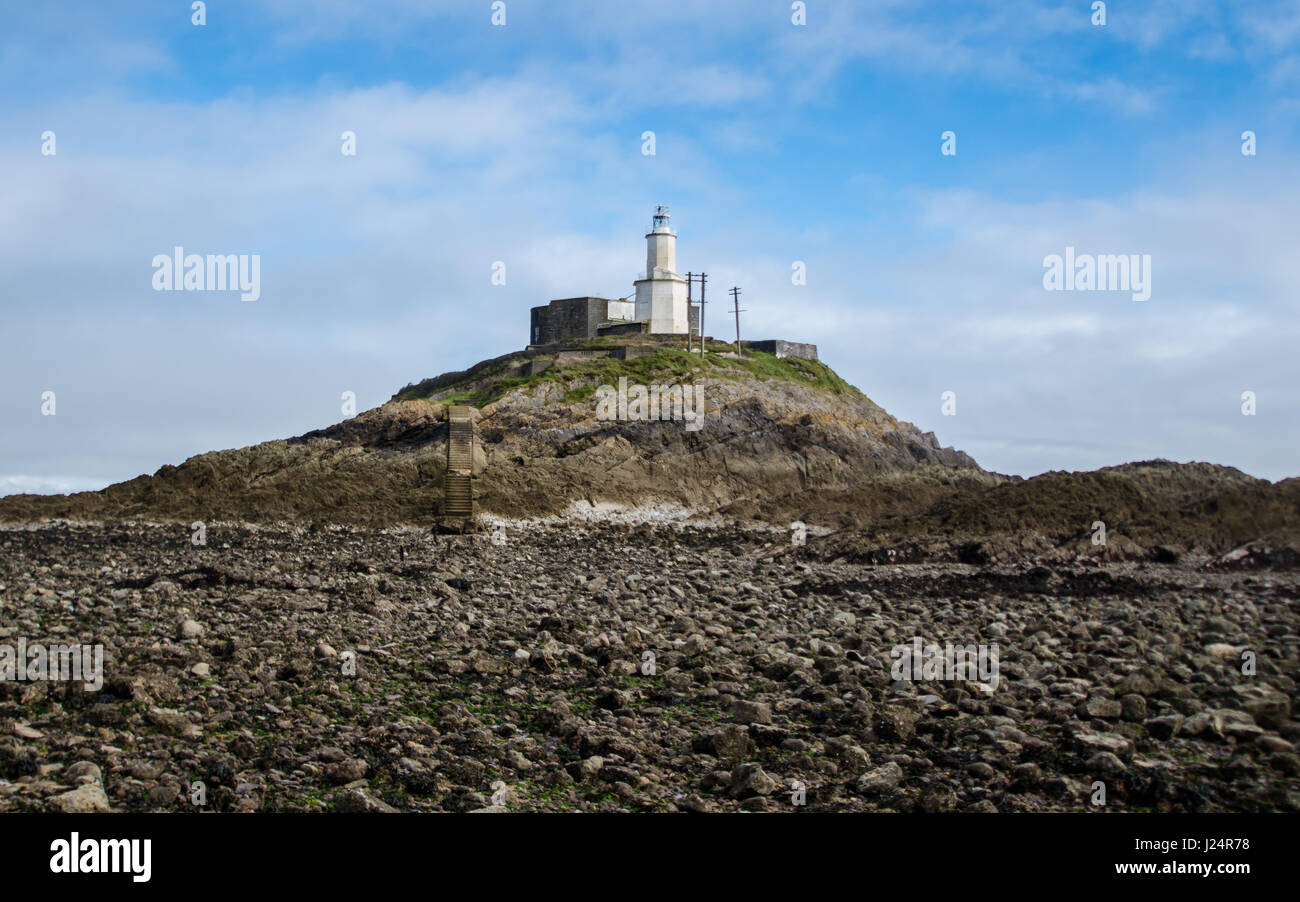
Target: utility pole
735, 299
703, 278
690, 279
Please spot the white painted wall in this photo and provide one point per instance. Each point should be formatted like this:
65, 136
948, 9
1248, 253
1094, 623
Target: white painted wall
661, 251
661, 295
662, 303
625, 310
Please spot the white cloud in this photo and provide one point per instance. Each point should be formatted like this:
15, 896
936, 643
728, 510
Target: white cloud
375, 268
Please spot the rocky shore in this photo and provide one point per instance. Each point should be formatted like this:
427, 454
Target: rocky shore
593, 667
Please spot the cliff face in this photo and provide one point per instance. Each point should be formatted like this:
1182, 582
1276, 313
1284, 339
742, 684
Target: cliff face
766, 448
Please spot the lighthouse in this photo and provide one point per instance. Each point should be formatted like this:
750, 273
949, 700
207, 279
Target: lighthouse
661, 308
661, 292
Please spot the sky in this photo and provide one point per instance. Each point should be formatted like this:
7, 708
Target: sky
775, 144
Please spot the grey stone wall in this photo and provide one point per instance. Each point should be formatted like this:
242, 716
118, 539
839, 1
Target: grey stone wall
567, 318
783, 348
623, 329
537, 325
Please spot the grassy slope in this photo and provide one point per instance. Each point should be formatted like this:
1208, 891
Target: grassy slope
483, 385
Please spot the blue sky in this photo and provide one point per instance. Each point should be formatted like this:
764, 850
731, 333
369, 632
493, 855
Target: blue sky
774, 143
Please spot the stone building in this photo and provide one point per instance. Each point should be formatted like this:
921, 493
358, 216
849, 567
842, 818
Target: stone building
569, 318
780, 348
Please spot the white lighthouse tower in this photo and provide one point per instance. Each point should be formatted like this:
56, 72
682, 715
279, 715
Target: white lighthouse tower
661, 293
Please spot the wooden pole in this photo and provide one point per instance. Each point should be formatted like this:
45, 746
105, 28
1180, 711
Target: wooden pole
690, 280
703, 279
735, 298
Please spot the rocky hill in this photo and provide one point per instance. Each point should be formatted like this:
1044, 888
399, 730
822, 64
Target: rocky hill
775, 434
1153, 510
780, 440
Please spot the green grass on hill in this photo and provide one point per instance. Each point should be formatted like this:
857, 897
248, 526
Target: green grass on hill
580, 380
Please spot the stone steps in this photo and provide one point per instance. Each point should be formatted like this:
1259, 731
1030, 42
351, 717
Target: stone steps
458, 486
